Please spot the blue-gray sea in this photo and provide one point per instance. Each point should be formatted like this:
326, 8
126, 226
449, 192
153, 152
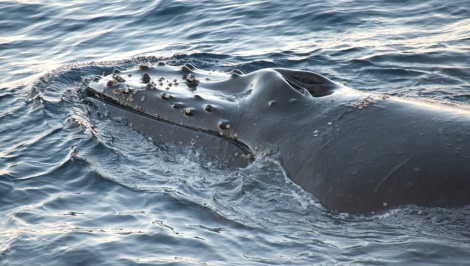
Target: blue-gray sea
77, 189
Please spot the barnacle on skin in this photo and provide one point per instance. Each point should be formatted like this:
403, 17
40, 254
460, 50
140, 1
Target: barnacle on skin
192, 79
118, 78
112, 83
369, 100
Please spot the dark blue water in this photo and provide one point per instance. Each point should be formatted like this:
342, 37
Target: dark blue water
77, 189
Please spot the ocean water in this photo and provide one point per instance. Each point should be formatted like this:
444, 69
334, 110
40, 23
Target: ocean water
76, 189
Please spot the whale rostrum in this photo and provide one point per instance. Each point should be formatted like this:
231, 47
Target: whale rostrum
355, 152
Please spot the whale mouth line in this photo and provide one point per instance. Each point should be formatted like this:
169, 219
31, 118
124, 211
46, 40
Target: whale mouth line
109, 100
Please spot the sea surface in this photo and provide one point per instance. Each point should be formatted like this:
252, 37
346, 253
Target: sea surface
77, 189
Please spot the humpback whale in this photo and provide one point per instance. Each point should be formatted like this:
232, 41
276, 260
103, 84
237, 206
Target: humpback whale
355, 152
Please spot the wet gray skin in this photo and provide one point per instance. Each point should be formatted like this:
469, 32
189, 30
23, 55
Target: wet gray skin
354, 152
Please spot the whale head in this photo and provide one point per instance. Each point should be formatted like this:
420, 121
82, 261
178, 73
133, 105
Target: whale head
242, 107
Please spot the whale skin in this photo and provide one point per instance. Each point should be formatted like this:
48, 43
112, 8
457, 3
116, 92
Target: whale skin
355, 152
